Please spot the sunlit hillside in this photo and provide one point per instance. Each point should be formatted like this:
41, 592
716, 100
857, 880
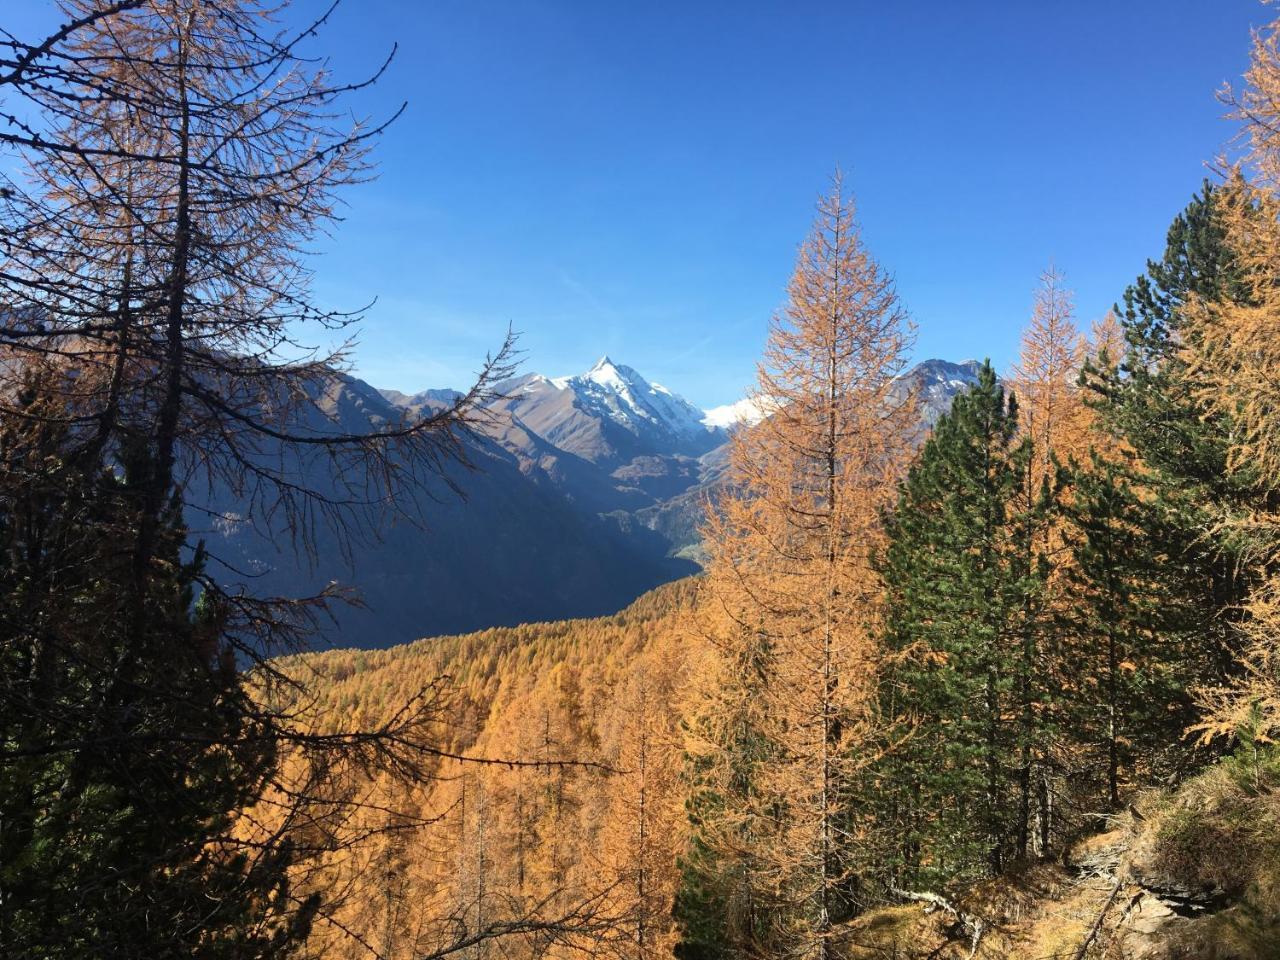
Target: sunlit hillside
572, 823
356, 604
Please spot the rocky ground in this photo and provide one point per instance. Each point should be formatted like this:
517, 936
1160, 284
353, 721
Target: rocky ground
1191, 874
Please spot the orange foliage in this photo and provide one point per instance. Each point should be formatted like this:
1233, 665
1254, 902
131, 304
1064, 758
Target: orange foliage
564, 838
1045, 380
792, 601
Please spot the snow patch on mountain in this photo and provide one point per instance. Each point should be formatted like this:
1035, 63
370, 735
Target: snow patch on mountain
938, 382
747, 410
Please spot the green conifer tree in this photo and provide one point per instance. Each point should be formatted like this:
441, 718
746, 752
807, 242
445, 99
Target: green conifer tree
723, 906
1124, 680
125, 753
1148, 399
959, 585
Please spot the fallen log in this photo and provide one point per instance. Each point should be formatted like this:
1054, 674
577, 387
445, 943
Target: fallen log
1097, 924
975, 925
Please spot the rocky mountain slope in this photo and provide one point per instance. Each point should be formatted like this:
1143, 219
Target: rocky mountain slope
588, 490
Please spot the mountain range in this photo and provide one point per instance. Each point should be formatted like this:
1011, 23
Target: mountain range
586, 491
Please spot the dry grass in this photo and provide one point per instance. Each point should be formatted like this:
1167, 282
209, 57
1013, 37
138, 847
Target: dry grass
1217, 837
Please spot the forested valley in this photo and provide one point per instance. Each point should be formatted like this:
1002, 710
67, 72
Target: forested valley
1003, 685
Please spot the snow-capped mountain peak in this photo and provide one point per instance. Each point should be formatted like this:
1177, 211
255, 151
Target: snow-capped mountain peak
621, 394
607, 374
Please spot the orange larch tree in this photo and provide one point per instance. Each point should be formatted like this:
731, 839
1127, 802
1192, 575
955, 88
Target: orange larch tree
641, 832
1046, 379
1054, 418
1231, 347
791, 559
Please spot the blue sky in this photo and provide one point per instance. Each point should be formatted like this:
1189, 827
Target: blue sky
633, 178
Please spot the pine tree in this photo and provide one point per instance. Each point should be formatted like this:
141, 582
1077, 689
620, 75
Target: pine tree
1114, 694
725, 904
957, 587
1123, 685
109, 846
1150, 401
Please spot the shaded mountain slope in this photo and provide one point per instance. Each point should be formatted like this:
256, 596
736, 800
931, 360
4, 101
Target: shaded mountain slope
516, 549
588, 490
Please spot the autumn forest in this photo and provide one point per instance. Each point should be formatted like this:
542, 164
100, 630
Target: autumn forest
998, 678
